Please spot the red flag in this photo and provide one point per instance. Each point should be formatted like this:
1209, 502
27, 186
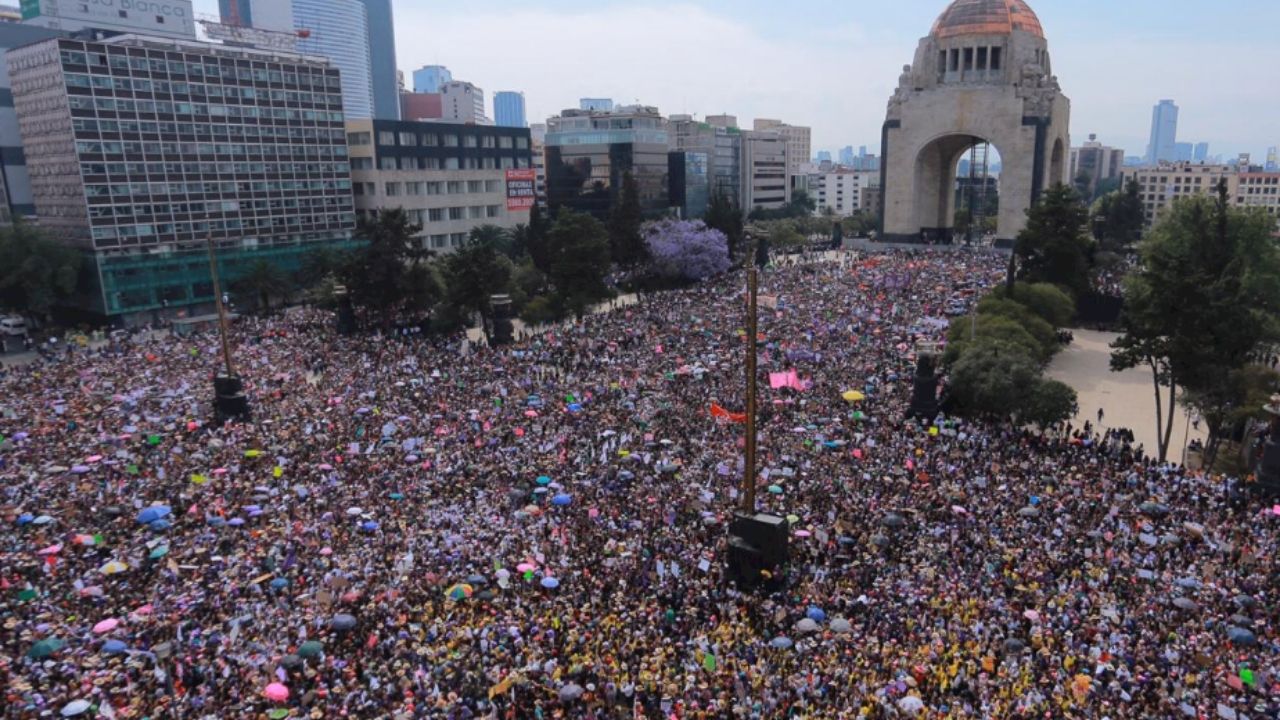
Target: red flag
721, 414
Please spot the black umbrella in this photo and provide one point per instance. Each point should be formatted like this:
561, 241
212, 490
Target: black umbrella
342, 622
894, 520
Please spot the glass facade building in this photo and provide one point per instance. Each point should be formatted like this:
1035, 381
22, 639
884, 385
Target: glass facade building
141, 149
690, 183
508, 109
431, 79
339, 31
382, 59
588, 153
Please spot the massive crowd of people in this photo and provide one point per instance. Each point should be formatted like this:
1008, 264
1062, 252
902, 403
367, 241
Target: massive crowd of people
418, 528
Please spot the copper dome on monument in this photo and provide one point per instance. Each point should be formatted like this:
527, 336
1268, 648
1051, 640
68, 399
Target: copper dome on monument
986, 17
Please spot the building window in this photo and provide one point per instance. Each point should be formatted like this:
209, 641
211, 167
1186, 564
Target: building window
358, 138
413, 188
430, 139
435, 215
457, 213
393, 189
491, 211
386, 137
456, 187
505, 142
475, 186
409, 139
491, 186
457, 239
363, 163
387, 163
438, 241
489, 141
435, 188
451, 140
475, 212
522, 143
469, 141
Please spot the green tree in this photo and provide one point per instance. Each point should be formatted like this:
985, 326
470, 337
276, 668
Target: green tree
990, 379
1054, 247
723, 216
783, 235
382, 276
263, 281
473, 273
1118, 217
837, 235
1206, 295
531, 239
801, 205
36, 273
500, 238
580, 260
995, 331
626, 243
1048, 301
1049, 403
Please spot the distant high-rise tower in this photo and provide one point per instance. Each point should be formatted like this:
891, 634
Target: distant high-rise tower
1202, 152
508, 109
339, 30
847, 156
1164, 133
430, 78
1273, 159
824, 156
382, 59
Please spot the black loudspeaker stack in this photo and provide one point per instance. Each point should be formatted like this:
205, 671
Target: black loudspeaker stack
1268, 471
924, 390
758, 551
229, 402
503, 329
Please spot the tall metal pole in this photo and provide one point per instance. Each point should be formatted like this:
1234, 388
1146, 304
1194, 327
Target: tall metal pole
749, 469
222, 311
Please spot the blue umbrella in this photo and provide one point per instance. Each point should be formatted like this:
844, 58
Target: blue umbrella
550, 583
217, 521
561, 499
396, 496
252, 508
342, 622
25, 518
369, 525
781, 642
279, 583
575, 407
544, 480
114, 647
1240, 636
815, 614
235, 522
159, 525
153, 513
540, 491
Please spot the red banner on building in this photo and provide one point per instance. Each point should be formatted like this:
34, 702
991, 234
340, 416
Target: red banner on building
521, 189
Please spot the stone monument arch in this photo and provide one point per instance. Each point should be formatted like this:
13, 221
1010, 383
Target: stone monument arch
983, 74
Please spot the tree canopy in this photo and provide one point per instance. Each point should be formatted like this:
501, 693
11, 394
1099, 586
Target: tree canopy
1054, 247
686, 250
1118, 217
626, 244
579, 250
36, 273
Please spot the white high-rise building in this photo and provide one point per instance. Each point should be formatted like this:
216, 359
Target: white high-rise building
765, 184
798, 140
463, 102
339, 30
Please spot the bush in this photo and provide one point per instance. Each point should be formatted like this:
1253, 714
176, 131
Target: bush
1048, 301
990, 379
993, 330
542, 309
1036, 327
1050, 403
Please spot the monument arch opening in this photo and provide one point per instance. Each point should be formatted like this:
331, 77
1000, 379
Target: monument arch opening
953, 175
982, 75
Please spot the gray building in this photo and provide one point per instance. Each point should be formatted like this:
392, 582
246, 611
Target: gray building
508, 109
382, 57
13, 163
1094, 163
339, 30
1202, 152
1164, 133
143, 149
723, 148
589, 153
596, 104
161, 18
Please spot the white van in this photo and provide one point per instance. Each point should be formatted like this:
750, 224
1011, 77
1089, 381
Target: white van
13, 325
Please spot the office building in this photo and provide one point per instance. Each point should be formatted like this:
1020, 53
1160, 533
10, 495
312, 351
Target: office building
721, 145
339, 30
1259, 190
1164, 133
1183, 152
824, 156
1273, 160
448, 178
723, 121
160, 18
841, 190
1160, 185
798, 145
187, 142
846, 156
589, 152
463, 103
689, 183
14, 176
539, 143
270, 15
382, 59
1201, 153
508, 109
421, 106
431, 78
1093, 163
596, 104
765, 184
539, 132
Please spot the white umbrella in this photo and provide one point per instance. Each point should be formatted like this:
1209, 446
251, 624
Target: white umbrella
75, 707
911, 705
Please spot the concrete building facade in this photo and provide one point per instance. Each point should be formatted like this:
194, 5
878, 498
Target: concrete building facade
982, 75
588, 153
463, 103
765, 179
448, 178
799, 142
1097, 163
1160, 186
159, 18
142, 149
18, 200
721, 145
842, 190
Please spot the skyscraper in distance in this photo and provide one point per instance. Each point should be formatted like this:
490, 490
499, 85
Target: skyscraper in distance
1164, 133
382, 59
1202, 152
1273, 159
339, 30
508, 109
596, 104
846, 156
273, 15
430, 78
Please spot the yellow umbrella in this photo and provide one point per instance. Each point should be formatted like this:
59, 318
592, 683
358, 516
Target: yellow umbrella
113, 567
853, 396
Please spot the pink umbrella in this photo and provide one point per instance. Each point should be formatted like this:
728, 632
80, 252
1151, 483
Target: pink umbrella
325, 466
93, 459
326, 551
220, 471
526, 567
51, 550
531, 413
92, 591
106, 626
276, 692
144, 610
1031, 615
803, 533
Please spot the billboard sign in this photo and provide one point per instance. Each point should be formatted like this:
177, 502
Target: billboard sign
521, 189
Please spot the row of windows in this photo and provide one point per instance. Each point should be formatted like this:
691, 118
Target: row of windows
202, 68
201, 188
268, 133
122, 147
432, 163
473, 212
204, 226
151, 107
261, 207
389, 138
199, 91
169, 170
450, 187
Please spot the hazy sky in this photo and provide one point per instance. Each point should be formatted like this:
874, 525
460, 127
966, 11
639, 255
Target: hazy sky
832, 64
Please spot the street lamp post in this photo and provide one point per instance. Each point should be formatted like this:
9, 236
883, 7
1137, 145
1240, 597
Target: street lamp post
229, 400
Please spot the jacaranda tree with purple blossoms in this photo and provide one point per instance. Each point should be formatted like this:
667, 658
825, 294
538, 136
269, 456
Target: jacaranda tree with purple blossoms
686, 250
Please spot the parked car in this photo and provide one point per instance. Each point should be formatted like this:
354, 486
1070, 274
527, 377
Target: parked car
13, 325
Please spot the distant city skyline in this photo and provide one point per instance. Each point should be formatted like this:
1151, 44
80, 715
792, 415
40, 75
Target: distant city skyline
1115, 60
